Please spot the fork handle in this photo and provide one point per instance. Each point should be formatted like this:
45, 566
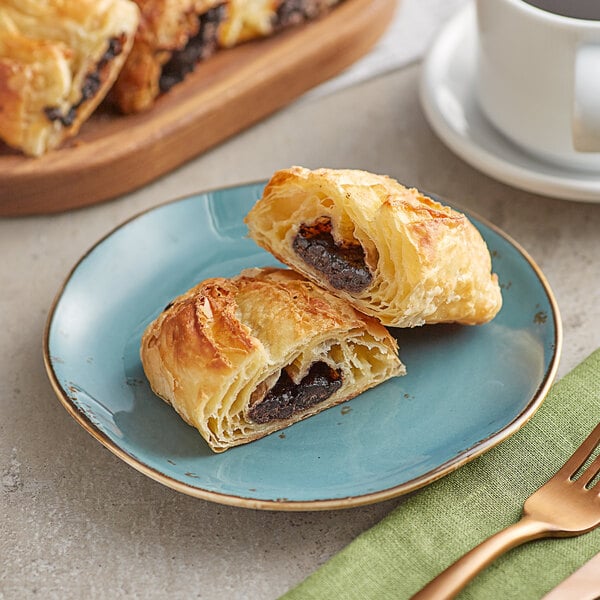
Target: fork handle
451, 581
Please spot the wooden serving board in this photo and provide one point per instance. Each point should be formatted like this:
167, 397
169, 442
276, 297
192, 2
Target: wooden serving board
114, 154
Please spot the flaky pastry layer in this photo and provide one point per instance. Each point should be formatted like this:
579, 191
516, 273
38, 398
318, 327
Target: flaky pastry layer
390, 251
241, 358
58, 58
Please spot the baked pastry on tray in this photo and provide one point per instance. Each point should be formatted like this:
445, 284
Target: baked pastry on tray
390, 251
58, 59
174, 35
243, 357
250, 19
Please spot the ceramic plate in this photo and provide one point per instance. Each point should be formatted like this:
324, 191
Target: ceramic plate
449, 102
467, 388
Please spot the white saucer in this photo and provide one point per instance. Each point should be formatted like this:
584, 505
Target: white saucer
448, 99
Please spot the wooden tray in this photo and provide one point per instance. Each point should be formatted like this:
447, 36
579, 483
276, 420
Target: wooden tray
114, 154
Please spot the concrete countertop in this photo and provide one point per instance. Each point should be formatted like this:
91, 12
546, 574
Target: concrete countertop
75, 521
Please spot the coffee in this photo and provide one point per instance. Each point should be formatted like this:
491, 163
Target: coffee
577, 9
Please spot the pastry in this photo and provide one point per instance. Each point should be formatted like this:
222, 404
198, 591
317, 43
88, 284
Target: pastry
58, 58
250, 19
174, 35
241, 358
390, 251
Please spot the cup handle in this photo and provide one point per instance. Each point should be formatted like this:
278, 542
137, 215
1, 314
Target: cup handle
586, 114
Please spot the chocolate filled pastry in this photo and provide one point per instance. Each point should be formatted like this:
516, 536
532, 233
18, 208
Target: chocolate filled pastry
390, 251
250, 19
58, 58
241, 358
175, 35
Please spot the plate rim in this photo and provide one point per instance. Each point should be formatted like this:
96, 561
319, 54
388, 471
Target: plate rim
413, 484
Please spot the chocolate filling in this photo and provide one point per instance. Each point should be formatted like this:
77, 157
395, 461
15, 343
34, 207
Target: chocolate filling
342, 264
293, 12
90, 87
199, 47
287, 398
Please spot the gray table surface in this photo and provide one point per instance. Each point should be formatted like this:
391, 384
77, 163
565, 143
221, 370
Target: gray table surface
75, 521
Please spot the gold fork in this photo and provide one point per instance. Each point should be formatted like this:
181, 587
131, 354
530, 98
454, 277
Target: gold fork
564, 506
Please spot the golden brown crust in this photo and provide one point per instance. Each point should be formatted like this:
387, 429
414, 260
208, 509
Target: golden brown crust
57, 61
219, 348
423, 262
247, 20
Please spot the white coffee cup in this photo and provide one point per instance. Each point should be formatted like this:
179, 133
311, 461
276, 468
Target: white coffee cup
538, 79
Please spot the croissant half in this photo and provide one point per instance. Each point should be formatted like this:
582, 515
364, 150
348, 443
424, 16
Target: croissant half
241, 358
58, 58
392, 252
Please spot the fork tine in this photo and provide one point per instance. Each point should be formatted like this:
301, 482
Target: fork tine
590, 472
580, 455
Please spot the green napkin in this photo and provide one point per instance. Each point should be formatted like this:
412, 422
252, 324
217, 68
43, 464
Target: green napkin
436, 525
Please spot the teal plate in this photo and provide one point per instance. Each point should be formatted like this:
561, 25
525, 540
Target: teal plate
467, 388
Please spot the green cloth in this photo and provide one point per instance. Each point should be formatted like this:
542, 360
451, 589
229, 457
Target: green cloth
433, 527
